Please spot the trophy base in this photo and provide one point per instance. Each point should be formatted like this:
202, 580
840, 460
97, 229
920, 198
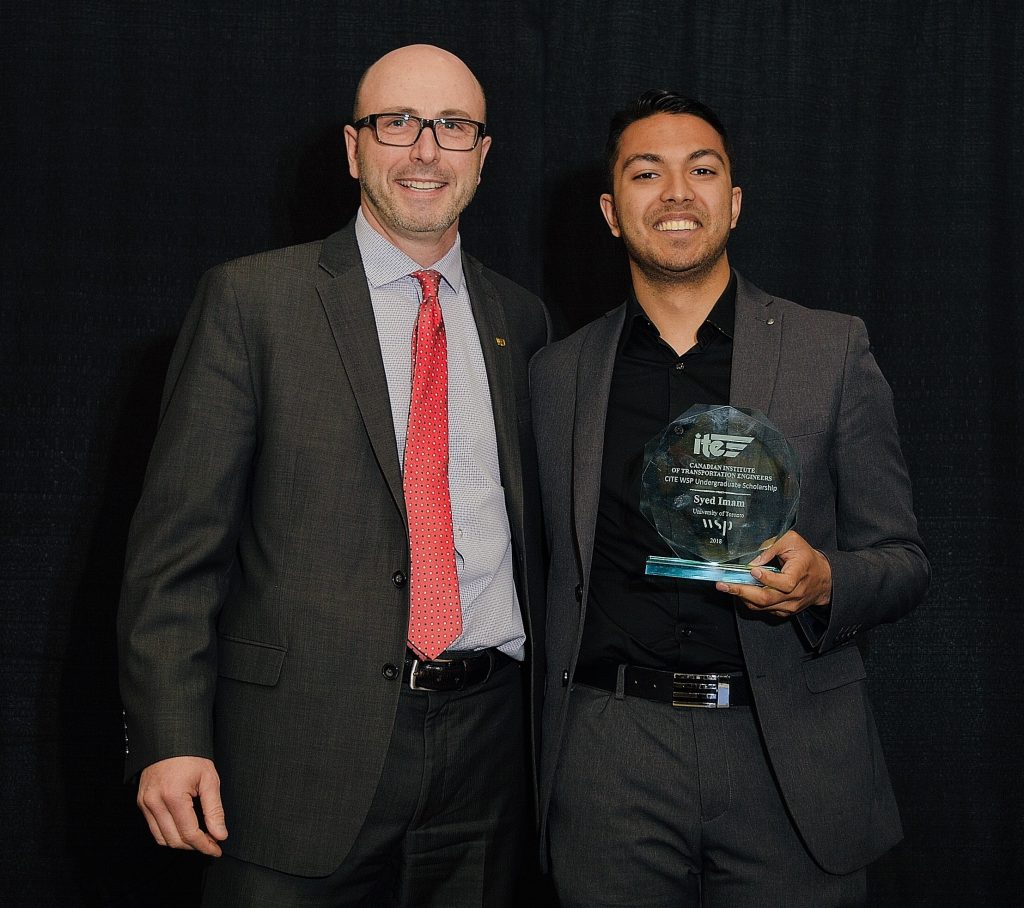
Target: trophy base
662, 566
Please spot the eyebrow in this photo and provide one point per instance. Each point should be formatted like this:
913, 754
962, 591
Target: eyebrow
652, 158
452, 112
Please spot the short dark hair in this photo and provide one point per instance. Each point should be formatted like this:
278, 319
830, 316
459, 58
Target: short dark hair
651, 102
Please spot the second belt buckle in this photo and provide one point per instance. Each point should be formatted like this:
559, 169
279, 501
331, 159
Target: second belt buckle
702, 691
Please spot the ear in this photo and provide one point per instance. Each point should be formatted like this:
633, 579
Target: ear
485, 146
737, 204
351, 138
608, 210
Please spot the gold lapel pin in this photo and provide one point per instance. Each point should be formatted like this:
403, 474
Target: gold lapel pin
500, 341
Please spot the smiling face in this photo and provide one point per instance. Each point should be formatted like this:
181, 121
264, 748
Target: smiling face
673, 202
414, 195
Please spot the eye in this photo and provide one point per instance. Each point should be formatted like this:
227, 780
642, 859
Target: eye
703, 172
454, 126
645, 175
395, 122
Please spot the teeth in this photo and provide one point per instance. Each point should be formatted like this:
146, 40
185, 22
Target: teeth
676, 225
420, 184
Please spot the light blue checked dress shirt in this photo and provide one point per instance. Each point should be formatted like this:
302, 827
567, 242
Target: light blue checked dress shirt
483, 541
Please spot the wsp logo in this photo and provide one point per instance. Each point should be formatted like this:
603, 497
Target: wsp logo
712, 445
717, 523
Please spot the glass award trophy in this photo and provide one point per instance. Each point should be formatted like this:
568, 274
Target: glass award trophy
720, 484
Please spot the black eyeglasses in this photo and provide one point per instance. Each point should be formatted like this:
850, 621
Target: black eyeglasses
402, 129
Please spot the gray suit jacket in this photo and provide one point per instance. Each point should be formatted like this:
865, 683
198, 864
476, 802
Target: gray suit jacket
811, 372
265, 602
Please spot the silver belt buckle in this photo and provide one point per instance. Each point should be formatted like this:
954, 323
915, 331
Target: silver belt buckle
417, 664
702, 691
413, 671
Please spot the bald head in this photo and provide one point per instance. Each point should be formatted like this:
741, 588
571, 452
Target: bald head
423, 67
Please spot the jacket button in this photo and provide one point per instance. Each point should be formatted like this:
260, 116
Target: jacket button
390, 671
398, 578
579, 593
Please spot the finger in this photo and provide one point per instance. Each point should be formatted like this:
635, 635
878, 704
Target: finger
754, 596
153, 804
154, 827
206, 844
165, 822
213, 809
781, 581
187, 822
785, 543
776, 609
791, 539
763, 600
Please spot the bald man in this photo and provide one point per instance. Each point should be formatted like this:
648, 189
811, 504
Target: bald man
331, 582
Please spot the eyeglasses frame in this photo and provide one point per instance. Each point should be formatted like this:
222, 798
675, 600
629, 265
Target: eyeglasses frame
425, 123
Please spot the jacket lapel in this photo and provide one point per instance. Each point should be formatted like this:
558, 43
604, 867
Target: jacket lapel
593, 385
489, 315
756, 344
341, 284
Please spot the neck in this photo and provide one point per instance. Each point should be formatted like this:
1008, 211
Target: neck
424, 248
679, 307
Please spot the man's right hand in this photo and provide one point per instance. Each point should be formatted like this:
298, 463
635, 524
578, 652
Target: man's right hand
166, 790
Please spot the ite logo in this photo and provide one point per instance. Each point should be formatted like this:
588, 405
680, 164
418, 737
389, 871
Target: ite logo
712, 445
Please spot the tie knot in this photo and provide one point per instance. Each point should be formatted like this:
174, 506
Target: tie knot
429, 282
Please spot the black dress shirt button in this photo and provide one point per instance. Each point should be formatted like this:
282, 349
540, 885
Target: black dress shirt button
398, 578
682, 632
680, 367
579, 593
390, 671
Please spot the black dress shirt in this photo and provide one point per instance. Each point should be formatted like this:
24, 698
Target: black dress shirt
657, 622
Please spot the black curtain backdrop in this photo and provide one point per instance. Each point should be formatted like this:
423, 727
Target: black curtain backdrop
879, 148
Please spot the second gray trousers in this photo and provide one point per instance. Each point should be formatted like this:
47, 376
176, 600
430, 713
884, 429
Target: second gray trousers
655, 805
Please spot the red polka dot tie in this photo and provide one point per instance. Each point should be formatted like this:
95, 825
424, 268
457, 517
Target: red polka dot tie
435, 613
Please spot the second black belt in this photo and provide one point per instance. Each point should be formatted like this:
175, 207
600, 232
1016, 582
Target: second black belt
709, 690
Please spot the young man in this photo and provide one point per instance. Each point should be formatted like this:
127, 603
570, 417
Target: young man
782, 798
331, 581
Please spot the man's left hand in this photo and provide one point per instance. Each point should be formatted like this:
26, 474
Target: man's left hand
805, 579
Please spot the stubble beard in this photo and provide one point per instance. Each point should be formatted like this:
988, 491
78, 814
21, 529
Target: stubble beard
381, 196
657, 271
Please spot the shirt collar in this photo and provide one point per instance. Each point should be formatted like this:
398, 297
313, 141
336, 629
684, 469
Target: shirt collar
721, 318
723, 314
384, 263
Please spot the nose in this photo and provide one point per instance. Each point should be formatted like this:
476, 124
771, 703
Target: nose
425, 149
676, 188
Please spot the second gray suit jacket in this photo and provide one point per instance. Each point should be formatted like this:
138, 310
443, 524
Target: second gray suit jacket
812, 374
265, 604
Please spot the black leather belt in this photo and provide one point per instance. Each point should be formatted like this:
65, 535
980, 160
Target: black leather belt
456, 673
711, 691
